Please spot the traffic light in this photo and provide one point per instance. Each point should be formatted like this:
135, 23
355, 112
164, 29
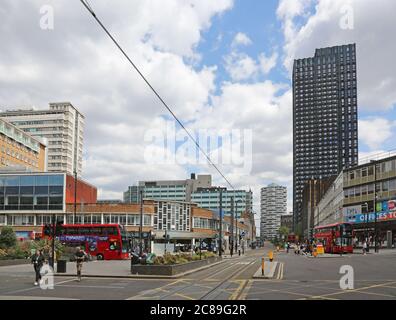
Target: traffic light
58, 227
166, 235
47, 230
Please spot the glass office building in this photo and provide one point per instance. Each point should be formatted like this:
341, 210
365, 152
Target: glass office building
209, 198
42, 192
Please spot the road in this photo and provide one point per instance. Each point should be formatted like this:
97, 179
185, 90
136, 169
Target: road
297, 277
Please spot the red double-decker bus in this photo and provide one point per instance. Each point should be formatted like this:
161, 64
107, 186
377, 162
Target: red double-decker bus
335, 238
105, 241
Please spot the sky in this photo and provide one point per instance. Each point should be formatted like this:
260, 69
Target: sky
224, 67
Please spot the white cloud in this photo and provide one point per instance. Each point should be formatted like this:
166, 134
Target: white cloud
76, 62
241, 39
373, 132
240, 66
268, 63
373, 28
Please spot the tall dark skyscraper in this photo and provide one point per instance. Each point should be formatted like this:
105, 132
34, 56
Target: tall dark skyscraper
325, 117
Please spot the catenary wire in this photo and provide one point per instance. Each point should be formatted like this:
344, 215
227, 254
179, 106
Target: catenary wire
89, 8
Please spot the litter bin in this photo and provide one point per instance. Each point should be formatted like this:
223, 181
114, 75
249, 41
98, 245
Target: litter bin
61, 266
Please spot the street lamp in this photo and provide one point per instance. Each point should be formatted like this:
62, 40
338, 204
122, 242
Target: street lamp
366, 218
220, 190
375, 206
236, 224
232, 227
141, 224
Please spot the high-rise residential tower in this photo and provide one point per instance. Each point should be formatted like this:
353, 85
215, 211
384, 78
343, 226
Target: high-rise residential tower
325, 117
62, 125
273, 206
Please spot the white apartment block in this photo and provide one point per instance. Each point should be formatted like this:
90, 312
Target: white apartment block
273, 206
61, 127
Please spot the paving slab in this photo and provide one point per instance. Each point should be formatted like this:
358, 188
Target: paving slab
269, 270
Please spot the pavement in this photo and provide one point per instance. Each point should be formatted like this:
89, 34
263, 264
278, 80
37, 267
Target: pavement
295, 277
269, 270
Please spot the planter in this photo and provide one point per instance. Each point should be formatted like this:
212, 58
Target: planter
14, 262
171, 270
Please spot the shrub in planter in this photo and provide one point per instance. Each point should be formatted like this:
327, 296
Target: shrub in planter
7, 238
186, 256
3, 254
159, 260
170, 259
196, 257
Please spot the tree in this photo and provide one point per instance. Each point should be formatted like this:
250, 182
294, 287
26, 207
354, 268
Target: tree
284, 232
7, 238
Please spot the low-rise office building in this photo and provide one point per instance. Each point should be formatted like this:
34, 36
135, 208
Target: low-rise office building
370, 199
198, 189
313, 192
20, 150
329, 210
184, 222
233, 201
172, 190
29, 199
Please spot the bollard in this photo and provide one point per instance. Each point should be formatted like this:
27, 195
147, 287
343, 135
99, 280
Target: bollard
271, 256
262, 266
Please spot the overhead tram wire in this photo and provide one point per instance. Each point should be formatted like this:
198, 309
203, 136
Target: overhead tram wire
89, 8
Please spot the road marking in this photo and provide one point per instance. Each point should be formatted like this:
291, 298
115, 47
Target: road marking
357, 290
280, 271
38, 287
82, 286
184, 296
247, 290
238, 290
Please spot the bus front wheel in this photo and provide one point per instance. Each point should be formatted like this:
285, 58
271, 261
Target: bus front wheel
99, 256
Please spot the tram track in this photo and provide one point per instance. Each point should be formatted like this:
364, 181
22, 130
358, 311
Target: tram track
231, 276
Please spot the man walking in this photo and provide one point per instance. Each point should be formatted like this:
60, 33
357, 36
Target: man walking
80, 256
365, 247
37, 261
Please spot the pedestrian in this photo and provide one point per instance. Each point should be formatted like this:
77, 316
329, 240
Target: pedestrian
80, 256
37, 261
364, 247
287, 247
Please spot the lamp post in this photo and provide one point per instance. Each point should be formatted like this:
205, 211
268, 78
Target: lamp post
366, 219
375, 207
220, 190
232, 227
236, 224
75, 196
141, 224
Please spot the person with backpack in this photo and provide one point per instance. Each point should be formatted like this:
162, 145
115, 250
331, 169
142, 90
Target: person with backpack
80, 257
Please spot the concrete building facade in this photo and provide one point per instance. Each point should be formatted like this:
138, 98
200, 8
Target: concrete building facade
173, 190
20, 150
273, 206
62, 125
329, 210
325, 117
